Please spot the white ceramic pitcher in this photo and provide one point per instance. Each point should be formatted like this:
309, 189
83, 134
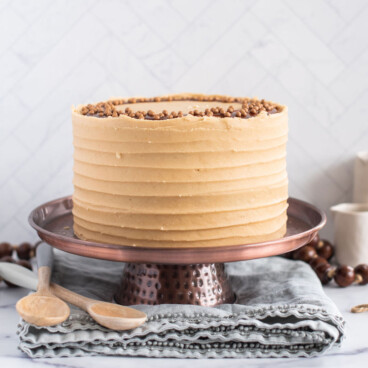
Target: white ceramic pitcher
351, 233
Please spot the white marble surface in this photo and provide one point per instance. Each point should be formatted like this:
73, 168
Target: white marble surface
353, 353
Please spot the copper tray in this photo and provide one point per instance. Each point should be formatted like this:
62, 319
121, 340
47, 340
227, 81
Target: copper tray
173, 275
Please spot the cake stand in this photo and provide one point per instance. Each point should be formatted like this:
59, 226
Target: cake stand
173, 275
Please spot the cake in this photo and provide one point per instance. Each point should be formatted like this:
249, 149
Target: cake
185, 170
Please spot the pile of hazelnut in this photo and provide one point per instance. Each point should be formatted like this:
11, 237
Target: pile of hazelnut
317, 254
20, 254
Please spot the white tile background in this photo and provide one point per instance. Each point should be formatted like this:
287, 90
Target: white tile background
309, 54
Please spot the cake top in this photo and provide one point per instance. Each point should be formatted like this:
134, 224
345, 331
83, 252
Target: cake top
175, 106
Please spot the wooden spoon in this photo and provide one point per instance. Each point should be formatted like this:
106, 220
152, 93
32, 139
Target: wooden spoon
113, 316
43, 308
109, 315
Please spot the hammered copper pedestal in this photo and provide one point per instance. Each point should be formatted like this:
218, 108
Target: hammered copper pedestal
200, 284
173, 275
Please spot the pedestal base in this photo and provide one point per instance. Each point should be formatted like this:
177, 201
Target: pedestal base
199, 284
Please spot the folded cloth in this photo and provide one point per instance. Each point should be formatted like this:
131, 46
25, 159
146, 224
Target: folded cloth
281, 311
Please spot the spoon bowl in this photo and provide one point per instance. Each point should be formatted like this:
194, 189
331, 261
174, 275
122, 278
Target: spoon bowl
42, 310
116, 317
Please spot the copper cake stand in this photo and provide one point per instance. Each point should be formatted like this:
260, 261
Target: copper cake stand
173, 275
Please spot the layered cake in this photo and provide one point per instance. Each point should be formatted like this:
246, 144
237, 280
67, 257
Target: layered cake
184, 170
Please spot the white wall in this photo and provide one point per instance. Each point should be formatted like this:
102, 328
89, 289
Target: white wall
309, 55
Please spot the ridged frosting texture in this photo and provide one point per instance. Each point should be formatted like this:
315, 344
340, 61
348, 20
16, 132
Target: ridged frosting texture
183, 182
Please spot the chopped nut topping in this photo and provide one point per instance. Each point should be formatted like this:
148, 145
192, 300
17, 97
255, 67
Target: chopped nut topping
249, 107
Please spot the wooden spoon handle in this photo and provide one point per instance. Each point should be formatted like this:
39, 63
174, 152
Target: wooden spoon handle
44, 274
73, 298
45, 259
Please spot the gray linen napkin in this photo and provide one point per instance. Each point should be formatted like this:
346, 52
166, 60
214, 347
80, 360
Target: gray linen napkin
281, 311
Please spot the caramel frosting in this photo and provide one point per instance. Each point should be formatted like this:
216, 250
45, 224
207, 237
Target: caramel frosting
180, 171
